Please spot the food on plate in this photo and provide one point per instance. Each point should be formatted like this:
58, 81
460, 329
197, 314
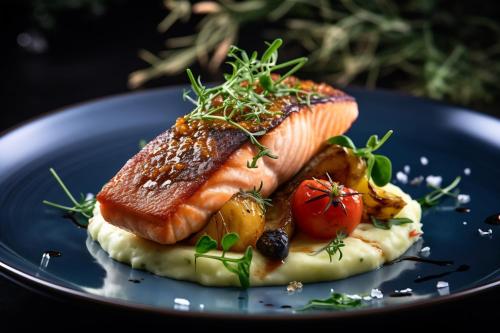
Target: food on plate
257, 186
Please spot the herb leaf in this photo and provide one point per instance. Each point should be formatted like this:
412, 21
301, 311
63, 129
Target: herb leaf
334, 246
435, 197
245, 95
85, 206
387, 225
378, 167
238, 266
336, 301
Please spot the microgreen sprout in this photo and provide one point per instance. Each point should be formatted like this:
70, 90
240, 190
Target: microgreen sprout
85, 206
246, 93
238, 266
336, 301
379, 167
434, 198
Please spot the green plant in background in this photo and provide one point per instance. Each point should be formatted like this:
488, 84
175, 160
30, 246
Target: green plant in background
439, 49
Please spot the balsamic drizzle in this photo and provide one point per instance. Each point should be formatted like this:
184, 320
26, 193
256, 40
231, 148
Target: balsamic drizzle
461, 268
493, 219
420, 259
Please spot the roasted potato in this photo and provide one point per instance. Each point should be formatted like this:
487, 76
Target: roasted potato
242, 215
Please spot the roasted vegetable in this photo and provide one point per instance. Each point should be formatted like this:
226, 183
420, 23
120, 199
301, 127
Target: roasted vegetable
241, 214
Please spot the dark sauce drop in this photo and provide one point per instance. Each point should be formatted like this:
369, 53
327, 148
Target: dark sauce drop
269, 304
286, 306
74, 219
425, 260
461, 268
52, 253
241, 297
261, 301
493, 219
462, 209
134, 280
405, 294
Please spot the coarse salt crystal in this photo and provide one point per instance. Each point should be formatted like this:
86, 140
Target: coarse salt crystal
355, 297
425, 249
424, 160
464, 222
294, 286
485, 233
432, 180
442, 284
463, 198
376, 293
467, 171
417, 180
402, 177
367, 298
182, 301
402, 291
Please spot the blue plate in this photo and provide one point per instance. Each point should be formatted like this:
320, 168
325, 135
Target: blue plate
87, 144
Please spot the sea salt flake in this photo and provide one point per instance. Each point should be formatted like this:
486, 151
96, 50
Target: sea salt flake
485, 233
463, 198
424, 160
355, 297
376, 293
294, 286
367, 298
432, 180
402, 177
425, 249
406, 169
403, 291
464, 222
442, 284
467, 171
182, 301
417, 180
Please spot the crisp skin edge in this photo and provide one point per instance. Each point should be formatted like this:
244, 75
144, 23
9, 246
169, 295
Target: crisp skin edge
367, 248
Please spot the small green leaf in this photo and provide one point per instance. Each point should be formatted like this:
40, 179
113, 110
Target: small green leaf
386, 225
372, 141
266, 82
336, 301
204, 244
273, 47
229, 240
381, 172
343, 141
383, 140
400, 221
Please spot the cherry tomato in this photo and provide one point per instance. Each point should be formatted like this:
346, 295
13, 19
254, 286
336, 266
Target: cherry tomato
322, 208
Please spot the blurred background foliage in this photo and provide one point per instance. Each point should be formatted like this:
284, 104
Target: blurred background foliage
447, 50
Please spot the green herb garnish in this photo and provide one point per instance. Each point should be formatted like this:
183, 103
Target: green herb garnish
142, 143
256, 195
387, 224
246, 93
434, 198
334, 246
379, 167
238, 266
336, 301
84, 207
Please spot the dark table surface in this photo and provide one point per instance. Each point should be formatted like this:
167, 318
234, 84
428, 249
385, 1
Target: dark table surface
94, 61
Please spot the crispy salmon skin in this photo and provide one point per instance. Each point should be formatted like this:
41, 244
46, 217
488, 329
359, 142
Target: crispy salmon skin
176, 182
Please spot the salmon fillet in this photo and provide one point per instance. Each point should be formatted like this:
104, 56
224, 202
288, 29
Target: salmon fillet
167, 202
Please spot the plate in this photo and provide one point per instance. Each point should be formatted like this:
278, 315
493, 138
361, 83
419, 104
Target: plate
88, 143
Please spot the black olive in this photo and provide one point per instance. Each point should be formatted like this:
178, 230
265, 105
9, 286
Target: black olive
273, 244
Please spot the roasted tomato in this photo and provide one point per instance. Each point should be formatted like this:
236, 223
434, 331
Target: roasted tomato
322, 208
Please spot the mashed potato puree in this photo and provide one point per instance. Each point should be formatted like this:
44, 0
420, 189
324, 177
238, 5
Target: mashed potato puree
366, 249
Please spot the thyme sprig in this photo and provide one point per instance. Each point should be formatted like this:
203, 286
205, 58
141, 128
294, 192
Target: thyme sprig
256, 195
238, 266
438, 194
85, 206
246, 93
334, 246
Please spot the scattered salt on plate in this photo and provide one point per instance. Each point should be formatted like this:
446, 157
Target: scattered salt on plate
467, 171
424, 160
376, 293
442, 284
425, 249
485, 233
406, 169
432, 180
463, 198
402, 177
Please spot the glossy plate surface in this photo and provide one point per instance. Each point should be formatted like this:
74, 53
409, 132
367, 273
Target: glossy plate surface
88, 143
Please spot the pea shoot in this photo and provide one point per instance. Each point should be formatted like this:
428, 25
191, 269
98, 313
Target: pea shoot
238, 266
379, 167
84, 207
246, 94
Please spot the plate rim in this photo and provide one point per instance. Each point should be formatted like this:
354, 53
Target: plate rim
41, 286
